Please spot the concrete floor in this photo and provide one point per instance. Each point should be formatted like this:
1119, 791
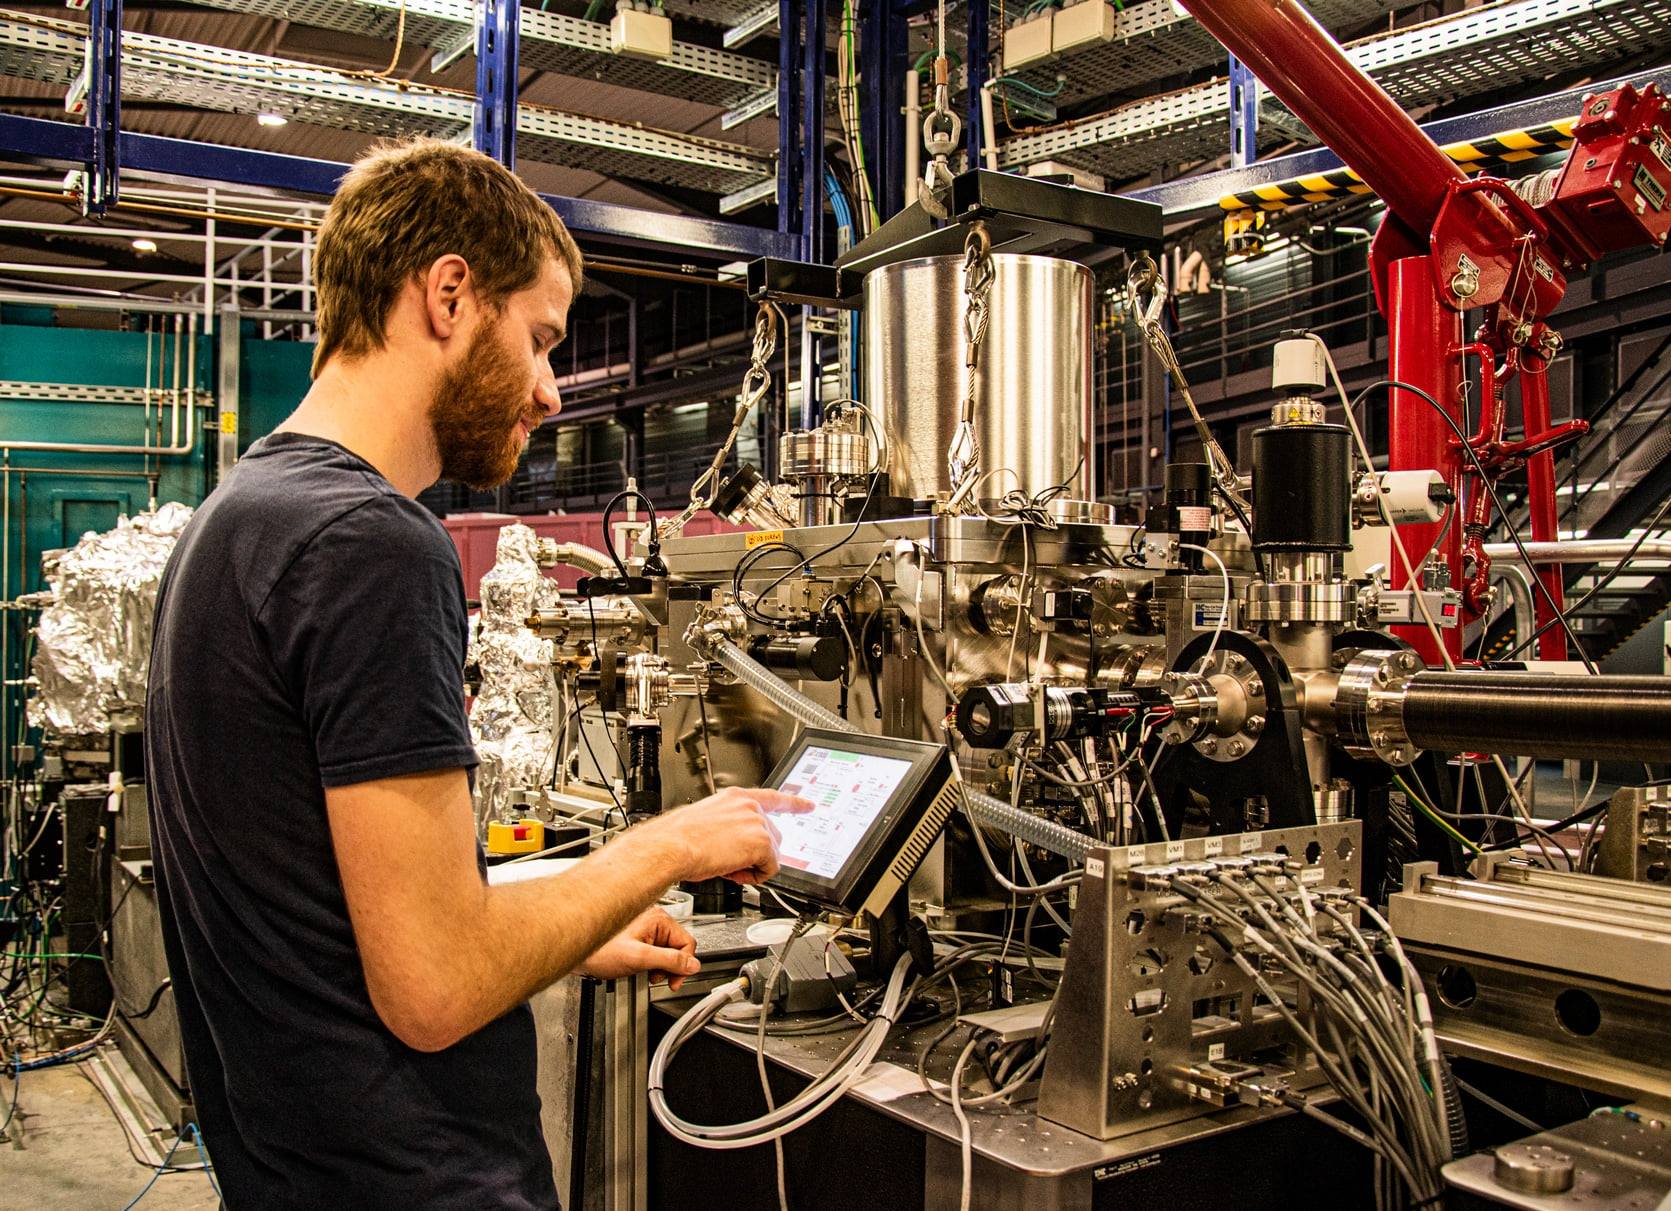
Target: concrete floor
70, 1154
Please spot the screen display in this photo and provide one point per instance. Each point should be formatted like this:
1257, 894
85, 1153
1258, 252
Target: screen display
848, 791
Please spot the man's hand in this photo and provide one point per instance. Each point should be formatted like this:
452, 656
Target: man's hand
729, 834
655, 943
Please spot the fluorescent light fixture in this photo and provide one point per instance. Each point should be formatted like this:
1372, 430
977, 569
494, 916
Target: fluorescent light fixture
271, 119
142, 244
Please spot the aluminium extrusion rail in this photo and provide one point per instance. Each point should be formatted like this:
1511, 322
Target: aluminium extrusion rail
1492, 47
210, 77
549, 41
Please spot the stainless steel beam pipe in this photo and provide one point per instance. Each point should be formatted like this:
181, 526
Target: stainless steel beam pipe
1540, 715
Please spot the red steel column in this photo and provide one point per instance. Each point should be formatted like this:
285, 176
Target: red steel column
1423, 338
1540, 496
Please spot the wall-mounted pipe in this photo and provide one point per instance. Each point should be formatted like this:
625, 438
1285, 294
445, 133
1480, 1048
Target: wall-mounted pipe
1589, 550
180, 401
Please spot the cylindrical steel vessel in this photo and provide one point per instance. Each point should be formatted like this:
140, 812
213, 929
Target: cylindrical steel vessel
1033, 403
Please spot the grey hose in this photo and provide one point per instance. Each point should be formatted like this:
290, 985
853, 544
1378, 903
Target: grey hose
781, 695
1035, 830
981, 807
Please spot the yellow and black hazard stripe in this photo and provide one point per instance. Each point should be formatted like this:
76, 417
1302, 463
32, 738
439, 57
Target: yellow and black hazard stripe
1505, 148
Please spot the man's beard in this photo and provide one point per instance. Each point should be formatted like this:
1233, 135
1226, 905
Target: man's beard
475, 412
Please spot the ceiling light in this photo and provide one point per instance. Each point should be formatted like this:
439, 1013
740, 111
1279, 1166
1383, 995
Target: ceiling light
272, 119
142, 244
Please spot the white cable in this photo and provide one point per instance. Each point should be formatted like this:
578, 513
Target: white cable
824, 1091
1224, 606
965, 1129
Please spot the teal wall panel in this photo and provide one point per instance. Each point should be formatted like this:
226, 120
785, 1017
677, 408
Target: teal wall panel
50, 498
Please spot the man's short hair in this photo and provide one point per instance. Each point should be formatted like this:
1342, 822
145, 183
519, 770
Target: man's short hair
403, 206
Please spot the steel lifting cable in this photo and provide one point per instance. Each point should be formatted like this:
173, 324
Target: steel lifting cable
963, 455
757, 382
1142, 280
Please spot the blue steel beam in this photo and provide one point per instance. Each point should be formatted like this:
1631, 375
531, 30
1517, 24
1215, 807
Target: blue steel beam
788, 124
104, 103
496, 81
980, 17
1190, 195
813, 57
59, 144
882, 54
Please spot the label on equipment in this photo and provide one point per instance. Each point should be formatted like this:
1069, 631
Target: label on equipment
1125, 1168
1174, 851
761, 537
1214, 846
1136, 855
1215, 1051
1251, 842
1660, 144
1543, 269
1195, 517
1649, 187
1093, 868
1208, 614
1311, 875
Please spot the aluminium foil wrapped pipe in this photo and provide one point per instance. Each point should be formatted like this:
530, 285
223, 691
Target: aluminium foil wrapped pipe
980, 806
93, 642
511, 721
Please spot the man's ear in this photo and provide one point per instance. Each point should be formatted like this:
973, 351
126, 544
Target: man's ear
448, 294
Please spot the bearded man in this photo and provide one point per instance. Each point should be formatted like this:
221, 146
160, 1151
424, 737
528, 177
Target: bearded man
352, 993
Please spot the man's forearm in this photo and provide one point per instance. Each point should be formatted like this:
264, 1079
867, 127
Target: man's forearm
531, 933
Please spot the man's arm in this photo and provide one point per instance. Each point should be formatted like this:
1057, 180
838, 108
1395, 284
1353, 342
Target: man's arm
444, 955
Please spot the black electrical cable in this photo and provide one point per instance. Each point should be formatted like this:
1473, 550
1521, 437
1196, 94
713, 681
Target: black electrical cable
1588, 813
747, 562
1240, 515
1600, 584
653, 566
1491, 490
806, 561
587, 740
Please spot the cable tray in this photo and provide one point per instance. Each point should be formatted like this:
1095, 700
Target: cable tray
213, 78
1482, 50
548, 41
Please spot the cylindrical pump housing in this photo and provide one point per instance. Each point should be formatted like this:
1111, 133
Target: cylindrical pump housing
1033, 396
1302, 495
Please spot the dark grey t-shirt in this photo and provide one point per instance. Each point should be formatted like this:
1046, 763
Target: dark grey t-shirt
310, 633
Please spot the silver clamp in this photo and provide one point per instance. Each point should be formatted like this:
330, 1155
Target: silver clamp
1369, 706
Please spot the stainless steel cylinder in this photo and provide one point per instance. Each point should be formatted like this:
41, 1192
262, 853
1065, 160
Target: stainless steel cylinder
1033, 387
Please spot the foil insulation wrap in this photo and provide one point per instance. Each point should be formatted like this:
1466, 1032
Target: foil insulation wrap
511, 720
93, 643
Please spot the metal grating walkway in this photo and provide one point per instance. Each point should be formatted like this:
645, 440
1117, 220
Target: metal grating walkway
1497, 46
549, 41
213, 78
